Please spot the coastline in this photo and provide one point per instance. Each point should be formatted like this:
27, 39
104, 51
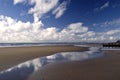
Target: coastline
99, 68
11, 56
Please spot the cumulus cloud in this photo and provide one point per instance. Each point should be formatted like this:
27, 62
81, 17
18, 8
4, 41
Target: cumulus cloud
12, 30
105, 5
59, 11
77, 28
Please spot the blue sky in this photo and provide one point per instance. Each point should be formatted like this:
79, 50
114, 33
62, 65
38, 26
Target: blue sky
59, 20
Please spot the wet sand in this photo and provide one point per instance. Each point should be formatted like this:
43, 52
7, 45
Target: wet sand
103, 68
12, 56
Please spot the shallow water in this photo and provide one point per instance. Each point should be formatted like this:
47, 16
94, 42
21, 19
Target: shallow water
23, 70
110, 48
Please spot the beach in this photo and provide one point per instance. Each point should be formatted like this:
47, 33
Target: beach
106, 67
102, 68
12, 56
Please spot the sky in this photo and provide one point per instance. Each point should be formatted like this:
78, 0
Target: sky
59, 20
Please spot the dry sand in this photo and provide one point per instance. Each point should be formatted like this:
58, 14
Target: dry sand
10, 57
104, 68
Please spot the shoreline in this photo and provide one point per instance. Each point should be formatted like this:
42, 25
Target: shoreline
103, 68
11, 56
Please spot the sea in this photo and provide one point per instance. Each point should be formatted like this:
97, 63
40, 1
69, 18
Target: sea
38, 44
25, 69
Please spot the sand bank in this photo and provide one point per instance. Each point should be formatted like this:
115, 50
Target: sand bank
12, 56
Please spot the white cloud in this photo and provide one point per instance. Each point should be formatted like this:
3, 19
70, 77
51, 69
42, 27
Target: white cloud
12, 30
19, 1
112, 32
105, 5
59, 11
77, 28
115, 22
42, 7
